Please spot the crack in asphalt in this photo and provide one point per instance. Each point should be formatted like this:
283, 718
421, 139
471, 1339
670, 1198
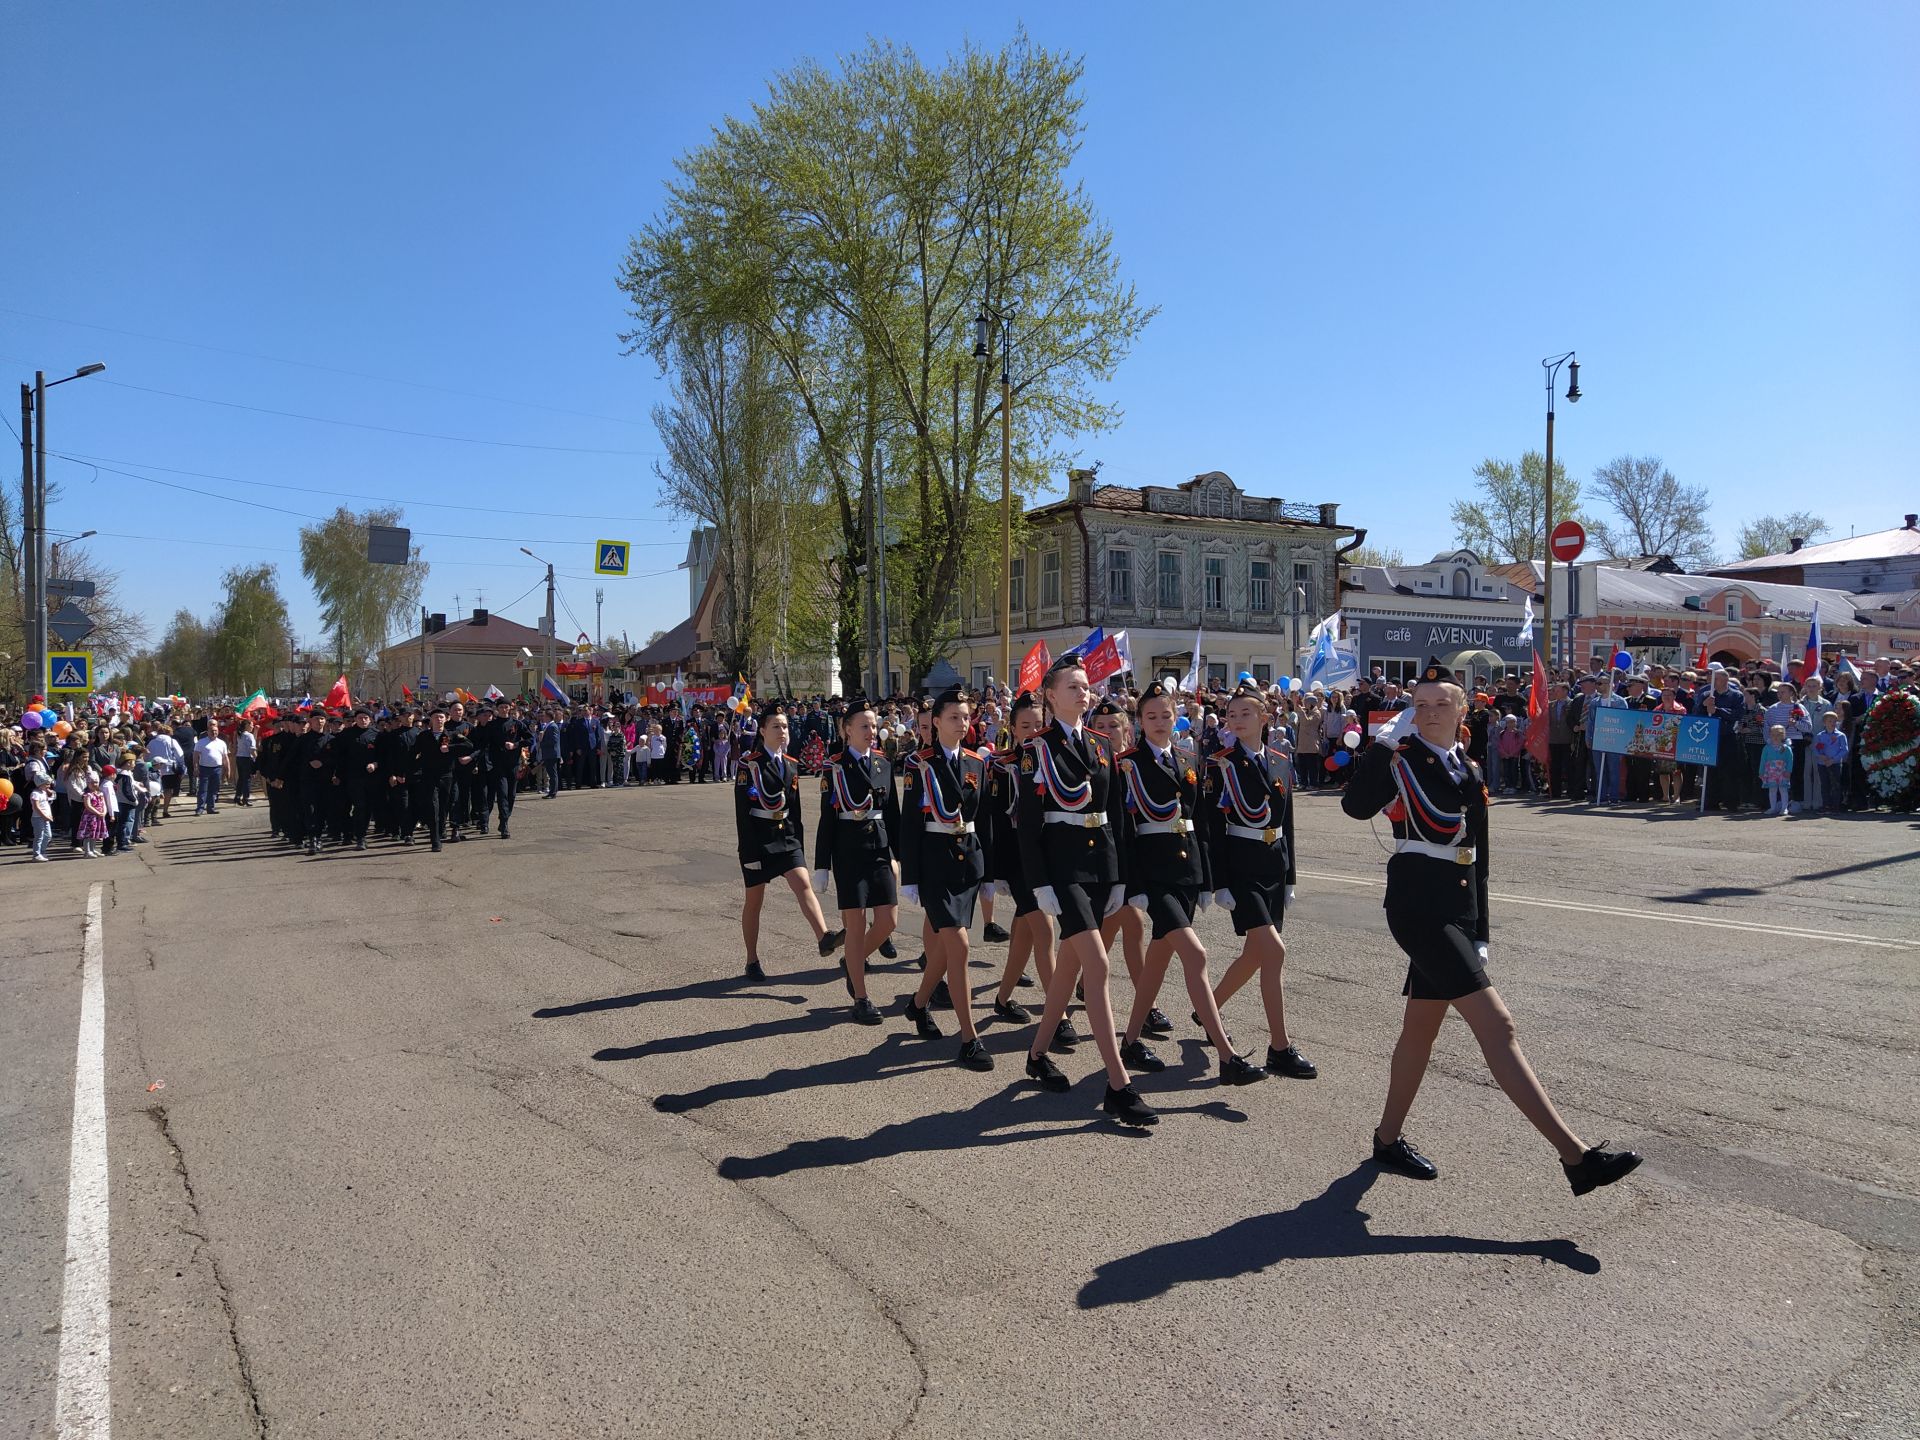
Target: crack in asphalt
204, 1246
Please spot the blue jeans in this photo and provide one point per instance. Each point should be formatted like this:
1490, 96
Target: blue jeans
1609, 783
124, 827
206, 794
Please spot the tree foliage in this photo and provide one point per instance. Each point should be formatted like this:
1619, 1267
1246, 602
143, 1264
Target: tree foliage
856, 223
1391, 557
118, 631
1508, 522
252, 632
1654, 513
361, 604
1772, 534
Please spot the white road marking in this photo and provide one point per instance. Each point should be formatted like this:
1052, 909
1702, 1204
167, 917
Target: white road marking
1619, 912
80, 1401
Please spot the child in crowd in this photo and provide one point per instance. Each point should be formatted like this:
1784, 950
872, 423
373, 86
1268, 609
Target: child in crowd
1776, 769
1510, 745
41, 809
91, 828
1830, 754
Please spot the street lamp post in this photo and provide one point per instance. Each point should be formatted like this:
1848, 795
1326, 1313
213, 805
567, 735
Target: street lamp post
550, 622
33, 488
53, 571
1552, 366
983, 325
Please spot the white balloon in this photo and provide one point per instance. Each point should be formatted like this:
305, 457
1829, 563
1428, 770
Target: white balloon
1351, 739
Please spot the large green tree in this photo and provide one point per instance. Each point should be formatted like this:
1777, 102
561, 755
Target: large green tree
362, 605
857, 222
252, 632
1508, 520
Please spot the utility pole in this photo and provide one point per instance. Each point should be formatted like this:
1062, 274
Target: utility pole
30, 543
880, 581
550, 621
599, 600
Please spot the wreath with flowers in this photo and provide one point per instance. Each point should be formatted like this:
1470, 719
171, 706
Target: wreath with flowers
1890, 749
813, 756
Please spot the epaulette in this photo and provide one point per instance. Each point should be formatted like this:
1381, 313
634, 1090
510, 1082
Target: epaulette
925, 753
966, 754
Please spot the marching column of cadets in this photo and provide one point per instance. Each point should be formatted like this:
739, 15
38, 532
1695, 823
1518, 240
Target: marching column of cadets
1099, 835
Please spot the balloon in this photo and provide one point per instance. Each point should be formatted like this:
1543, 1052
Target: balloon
1622, 660
1341, 757
31, 720
1182, 725
1351, 739
1333, 763
62, 729
1246, 675
6, 791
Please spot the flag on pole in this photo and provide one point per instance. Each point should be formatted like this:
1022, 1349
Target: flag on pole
1525, 637
1033, 667
1322, 660
551, 689
1103, 661
1536, 743
1810, 660
337, 697
1846, 667
1088, 645
256, 701
742, 700
405, 693
1191, 681
494, 692
1124, 648
306, 702
1701, 663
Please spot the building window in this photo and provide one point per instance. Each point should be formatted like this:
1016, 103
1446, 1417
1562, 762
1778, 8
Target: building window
1216, 579
1017, 582
1260, 586
1169, 580
1120, 578
1050, 580
1733, 609
1262, 672
1462, 585
1400, 671
1216, 676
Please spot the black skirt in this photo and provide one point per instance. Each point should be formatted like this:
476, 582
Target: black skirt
1443, 963
1257, 903
1081, 907
866, 889
1023, 901
1171, 908
949, 909
773, 864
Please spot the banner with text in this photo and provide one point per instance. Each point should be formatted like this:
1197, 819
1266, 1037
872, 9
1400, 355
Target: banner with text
1650, 735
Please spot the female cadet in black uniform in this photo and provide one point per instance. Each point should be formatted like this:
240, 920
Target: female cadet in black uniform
859, 816
941, 866
1249, 822
1170, 880
1110, 719
766, 818
1070, 798
1032, 932
1437, 910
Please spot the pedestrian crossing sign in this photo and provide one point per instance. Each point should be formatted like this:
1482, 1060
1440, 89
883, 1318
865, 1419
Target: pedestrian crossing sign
69, 670
610, 557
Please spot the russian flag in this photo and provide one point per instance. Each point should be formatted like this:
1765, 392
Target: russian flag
1810, 661
552, 691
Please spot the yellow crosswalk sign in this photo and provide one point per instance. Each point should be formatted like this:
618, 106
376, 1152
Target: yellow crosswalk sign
610, 557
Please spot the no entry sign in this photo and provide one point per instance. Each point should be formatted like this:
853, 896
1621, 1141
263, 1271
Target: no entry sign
1567, 540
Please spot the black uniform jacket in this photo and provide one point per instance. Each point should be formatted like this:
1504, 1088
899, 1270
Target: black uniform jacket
308, 747
764, 783
999, 823
1170, 793
1254, 795
864, 790
957, 790
434, 755
353, 750
395, 753
1054, 768
276, 756
1436, 809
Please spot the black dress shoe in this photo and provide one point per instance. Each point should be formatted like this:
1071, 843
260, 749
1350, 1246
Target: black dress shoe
1157, 1024
995, 934
1290, 1063
1403, 1159
830, 941
503, 833
1205, 1039
865, 1012
974, 1055
1238, 1070
1066, 1037
1600, 1166
887, 950
1012, 1011
1138, 1055
360, 844
1128, 1108
1050, 1075
1025, 982
922, 1022
754, 969
942, 997
407, 841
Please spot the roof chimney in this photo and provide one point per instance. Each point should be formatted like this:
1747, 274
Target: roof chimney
479, 617
1913, 522
1080, 485
1795, 543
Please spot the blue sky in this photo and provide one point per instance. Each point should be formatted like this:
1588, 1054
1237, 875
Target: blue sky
1364, 226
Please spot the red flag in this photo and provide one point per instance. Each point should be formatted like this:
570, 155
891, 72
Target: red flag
405, 693
1033, 667
1702, 662
1103, 660
1537, 724
337, 697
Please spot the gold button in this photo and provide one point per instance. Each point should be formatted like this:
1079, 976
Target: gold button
1183, 854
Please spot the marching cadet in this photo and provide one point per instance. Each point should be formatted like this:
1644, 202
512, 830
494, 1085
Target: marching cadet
1070, 798
498, 745
1110, 719
395, 751
766, 817
941, 867
1436, 907
1170, 880
1031, 932
1249, 823
859, 816
356, 760
276, 765
312, 778
435, 753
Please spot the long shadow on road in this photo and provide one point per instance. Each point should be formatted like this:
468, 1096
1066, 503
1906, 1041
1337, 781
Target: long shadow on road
1331, 1226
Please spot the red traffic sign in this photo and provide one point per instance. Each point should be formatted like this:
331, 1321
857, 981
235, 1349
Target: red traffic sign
1567, 540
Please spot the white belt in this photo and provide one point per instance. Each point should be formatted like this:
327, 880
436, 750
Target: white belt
861, 815
1181, 826
946, 827
766, 815
1458, 854
1247, 832
1088, 819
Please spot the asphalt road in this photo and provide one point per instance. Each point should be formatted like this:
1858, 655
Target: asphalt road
499, 1143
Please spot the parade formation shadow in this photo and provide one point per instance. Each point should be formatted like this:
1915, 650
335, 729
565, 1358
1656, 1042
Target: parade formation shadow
1331, 1226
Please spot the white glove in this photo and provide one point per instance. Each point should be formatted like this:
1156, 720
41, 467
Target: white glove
1201, 905
1002, 890
1480, 949
1139, 902
1116, 897
910, 894
820, 882
1224, 899
1048, 902
1289, 901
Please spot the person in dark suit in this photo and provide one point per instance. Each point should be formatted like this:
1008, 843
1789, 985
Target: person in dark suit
855, 846
767, 823
1170, 881
1248, 816
1436, 907
311, 774
941, 867
1070, 802
435, 754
